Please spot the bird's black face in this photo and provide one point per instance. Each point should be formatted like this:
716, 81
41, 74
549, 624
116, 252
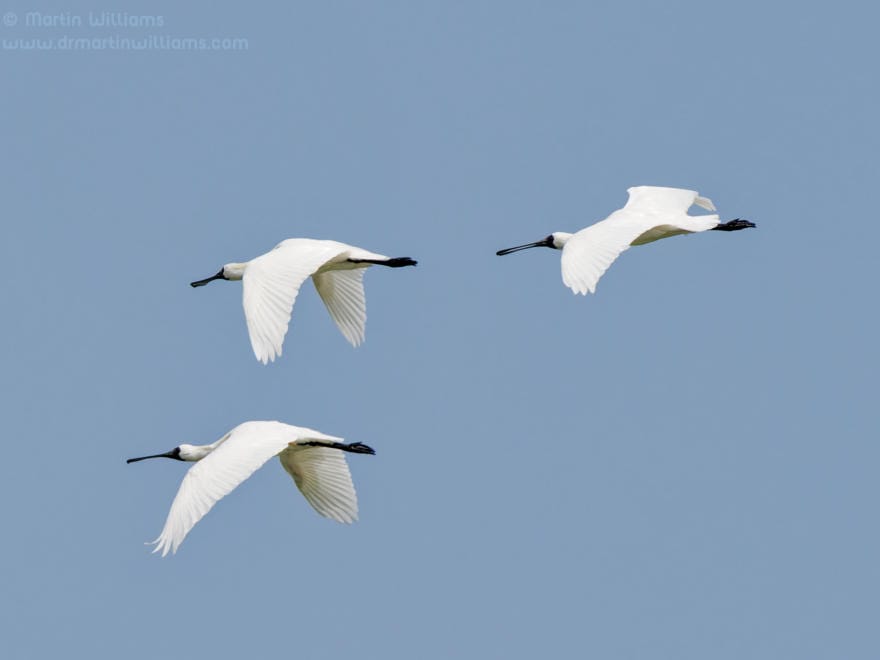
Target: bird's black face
174, 453
546, 242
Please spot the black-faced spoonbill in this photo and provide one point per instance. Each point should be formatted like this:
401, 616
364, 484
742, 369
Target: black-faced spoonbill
651, 213
313, 459
272, 281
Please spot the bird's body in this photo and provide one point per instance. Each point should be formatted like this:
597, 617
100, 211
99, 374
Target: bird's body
272, 281
650, 214
314, 460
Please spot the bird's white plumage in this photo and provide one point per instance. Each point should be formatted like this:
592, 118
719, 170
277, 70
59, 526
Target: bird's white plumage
324, 475
658, 200
271, 283
343, 293
651, 213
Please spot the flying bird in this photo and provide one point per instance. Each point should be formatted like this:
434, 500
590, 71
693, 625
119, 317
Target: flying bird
313, 459
272, 281
651, 213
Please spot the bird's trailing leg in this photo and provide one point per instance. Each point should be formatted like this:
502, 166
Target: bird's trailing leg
394, 262
354, 447
734, 225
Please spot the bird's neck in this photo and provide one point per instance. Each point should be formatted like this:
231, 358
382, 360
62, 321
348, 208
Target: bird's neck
198, 452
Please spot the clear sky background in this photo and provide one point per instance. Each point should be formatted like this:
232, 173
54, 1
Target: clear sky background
682, 466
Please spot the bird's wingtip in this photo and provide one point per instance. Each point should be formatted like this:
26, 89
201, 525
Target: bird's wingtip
355, 340
266, 358
163, 545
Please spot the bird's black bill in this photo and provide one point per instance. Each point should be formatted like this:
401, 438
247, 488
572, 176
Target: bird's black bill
218, 276
509, 250
174, 453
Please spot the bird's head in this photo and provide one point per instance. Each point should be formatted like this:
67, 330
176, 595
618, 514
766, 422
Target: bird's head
233, 271
184, 452
556, 240
194, 452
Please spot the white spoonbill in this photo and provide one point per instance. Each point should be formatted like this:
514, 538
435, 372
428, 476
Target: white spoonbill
272, 281
313, 459
651, 213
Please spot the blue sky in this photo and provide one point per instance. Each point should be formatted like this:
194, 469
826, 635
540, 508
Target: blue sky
681, 466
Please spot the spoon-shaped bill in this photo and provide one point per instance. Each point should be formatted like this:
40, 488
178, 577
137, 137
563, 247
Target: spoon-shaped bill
174, 453
517, 248
218, 276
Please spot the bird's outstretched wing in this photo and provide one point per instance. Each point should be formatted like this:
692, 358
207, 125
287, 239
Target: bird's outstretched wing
656, 200
322, 475
271, 283
588, 254
242, 451
343, 293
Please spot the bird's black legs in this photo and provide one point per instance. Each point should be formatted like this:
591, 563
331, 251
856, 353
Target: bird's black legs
734, 225
354, 447
394, 262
